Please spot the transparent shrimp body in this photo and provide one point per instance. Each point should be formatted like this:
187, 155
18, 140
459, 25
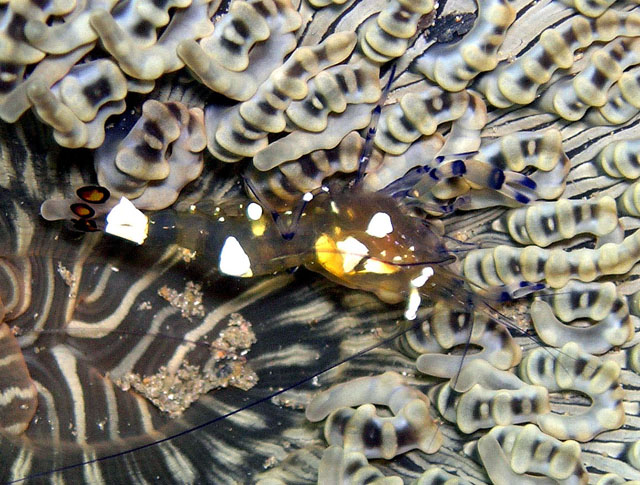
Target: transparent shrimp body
242, 240
358, 239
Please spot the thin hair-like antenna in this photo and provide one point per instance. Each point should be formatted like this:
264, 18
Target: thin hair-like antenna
373, 128
468, 320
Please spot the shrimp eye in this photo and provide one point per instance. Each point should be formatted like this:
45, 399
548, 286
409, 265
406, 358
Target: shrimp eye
83, 211
94, 194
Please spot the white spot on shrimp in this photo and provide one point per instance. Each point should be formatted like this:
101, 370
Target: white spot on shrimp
379, 267
420, 280
233, 260
380, 225
352, 252
254, 211
127, 222
412, 305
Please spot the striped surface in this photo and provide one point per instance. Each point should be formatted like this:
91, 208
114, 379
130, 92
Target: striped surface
77, 329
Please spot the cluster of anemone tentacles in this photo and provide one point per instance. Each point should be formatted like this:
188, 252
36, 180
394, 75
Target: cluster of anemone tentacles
538, 99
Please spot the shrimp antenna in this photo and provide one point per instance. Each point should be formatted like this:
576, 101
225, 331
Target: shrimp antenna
468, 319
373, 128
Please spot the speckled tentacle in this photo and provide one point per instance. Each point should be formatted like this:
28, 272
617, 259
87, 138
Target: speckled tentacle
386, 36
16, 52
451, 328
622, 101
130, 33
545, 223
437, 475
560, 320
340, 100
411, 426
572, 369
387, 389
69, 34
419, 114
151, 163
246, 46
506, 264
454, 66
629, 200
571, 98
149, 62
523, 453
620, 159
518, 82
14, 100
242, 130
350, 467
613, 479
77, 107
483, 397
590, 8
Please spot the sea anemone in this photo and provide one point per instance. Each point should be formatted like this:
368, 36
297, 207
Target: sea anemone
510, 127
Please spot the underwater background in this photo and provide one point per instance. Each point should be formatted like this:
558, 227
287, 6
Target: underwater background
132, 364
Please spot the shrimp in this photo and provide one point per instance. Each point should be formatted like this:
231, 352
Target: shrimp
360, 240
